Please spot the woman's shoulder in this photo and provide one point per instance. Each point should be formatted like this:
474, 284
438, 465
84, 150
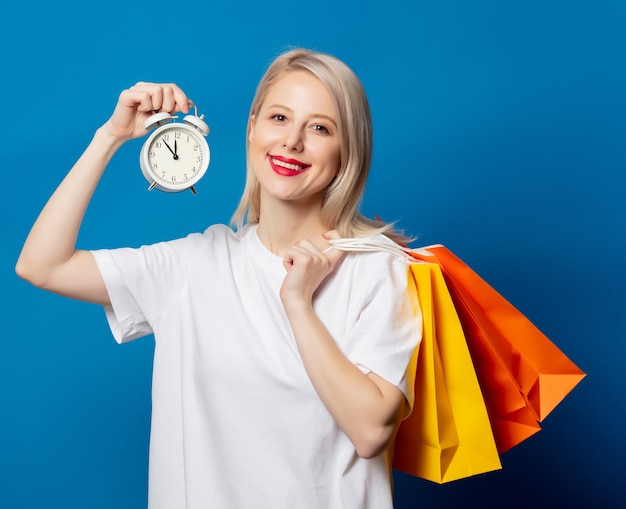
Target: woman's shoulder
218, 231
213, 237
226, 232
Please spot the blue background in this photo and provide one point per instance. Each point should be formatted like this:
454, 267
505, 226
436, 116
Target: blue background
499, 131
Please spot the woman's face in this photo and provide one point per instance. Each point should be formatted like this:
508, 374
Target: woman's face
294, 140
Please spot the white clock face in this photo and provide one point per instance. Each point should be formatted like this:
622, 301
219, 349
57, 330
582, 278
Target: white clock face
177, 157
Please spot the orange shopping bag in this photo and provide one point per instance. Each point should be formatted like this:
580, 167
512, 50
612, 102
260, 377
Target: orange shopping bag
522, 374
448, 435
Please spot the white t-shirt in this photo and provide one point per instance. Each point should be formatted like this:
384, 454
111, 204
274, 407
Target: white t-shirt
236, 422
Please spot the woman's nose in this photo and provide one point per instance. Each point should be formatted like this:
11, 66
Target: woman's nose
293, 140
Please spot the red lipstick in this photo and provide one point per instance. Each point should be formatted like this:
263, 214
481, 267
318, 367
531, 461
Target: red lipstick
287, 167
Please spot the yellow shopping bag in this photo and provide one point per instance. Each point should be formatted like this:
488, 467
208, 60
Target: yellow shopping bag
448, 435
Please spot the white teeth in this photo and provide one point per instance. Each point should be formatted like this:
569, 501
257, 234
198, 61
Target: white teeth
294, 167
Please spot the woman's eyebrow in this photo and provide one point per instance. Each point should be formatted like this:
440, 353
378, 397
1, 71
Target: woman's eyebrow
314, 115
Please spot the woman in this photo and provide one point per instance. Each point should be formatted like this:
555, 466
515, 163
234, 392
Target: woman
280, 370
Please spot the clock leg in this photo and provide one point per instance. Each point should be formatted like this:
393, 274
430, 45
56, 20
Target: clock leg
152, 186
193, 190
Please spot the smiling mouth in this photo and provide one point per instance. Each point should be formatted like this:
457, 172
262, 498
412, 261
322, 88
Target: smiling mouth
289, 166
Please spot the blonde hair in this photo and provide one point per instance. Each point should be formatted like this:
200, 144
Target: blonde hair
344, 194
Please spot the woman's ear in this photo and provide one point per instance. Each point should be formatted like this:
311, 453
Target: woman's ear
251, 127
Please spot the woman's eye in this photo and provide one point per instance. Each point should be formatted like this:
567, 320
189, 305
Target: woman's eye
321, 129
279, 117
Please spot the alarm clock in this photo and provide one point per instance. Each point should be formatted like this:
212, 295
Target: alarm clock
176, 155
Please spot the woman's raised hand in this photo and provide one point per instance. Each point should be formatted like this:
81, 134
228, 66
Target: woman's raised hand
49, 258
140, 101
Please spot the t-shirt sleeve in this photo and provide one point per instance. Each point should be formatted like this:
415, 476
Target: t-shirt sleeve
389, 328
124, 315
141, 284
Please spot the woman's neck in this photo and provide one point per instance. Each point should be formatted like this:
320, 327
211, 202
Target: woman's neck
281, 225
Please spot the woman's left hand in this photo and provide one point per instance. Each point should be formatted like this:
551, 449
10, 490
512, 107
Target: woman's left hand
307, 266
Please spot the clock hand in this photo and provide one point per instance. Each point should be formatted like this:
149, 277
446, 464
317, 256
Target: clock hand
175, 148
170, 149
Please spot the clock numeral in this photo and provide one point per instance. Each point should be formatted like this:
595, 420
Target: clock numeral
166, 137
155, 166
198, 159
195, 147
157, 145
177, 135
152, 153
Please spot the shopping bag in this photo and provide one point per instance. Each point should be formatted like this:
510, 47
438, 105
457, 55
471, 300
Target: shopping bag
448, 435
522, 374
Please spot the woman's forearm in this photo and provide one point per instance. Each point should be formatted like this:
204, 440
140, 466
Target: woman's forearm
367, 408
49, 258
52, 239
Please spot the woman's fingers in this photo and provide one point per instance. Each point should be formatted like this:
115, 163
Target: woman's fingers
307, 267
138, 102
167, 97
334, 255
